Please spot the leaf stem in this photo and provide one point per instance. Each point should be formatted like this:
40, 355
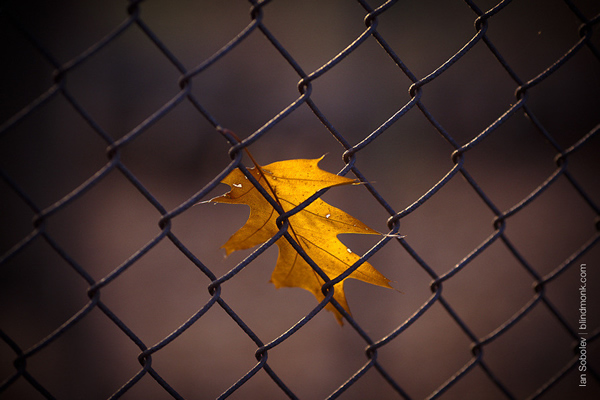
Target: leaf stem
264, 177
257, 165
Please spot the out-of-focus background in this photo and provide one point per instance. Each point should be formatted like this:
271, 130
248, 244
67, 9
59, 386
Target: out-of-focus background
48, 151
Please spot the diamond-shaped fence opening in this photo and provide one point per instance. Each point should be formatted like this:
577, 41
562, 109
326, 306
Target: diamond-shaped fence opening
473, 127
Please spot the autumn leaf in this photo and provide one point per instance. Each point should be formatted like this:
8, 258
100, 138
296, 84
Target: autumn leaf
315, 228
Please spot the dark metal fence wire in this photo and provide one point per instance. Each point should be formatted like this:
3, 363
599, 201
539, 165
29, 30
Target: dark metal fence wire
22, 355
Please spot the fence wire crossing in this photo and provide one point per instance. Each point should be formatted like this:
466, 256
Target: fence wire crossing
21, 357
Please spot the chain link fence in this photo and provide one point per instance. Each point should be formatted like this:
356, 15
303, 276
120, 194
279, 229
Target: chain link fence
473, 126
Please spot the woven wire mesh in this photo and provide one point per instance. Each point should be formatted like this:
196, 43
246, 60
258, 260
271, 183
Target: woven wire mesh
472, 125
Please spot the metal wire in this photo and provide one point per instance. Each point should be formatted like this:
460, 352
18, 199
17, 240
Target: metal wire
259, 26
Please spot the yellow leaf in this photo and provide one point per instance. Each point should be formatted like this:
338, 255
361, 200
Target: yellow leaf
315, 228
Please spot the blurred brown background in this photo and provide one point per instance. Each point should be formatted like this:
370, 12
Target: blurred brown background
54, 150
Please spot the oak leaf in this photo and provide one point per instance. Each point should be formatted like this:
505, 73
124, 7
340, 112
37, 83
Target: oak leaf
315, 228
